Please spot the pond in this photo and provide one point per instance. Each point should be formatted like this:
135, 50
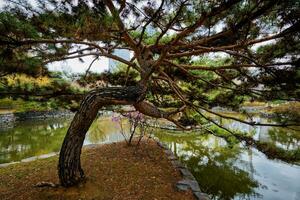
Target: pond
223, 170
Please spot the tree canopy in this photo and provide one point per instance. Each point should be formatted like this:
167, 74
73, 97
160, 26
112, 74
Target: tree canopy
258, 42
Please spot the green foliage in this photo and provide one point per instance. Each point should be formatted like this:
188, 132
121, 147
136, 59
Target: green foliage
208, 87
212, 61
120, 75
285, 112
212, 161
16, 27
25, 93
20, 105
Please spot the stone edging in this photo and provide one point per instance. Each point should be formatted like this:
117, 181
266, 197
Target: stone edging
30, 159
7, 118
189, 181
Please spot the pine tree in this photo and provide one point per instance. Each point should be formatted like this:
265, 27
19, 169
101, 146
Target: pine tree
173, 42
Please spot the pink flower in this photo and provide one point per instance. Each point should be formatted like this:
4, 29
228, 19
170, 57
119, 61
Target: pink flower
115, 119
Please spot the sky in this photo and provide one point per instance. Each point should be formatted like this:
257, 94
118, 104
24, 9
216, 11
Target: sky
76, 66
100, 65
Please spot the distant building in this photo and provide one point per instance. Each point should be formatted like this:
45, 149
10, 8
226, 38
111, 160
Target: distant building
123, 53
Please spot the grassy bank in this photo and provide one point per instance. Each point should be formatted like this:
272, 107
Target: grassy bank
289, 109
114, 171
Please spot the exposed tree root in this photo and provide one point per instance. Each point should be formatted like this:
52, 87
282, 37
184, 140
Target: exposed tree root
46, 184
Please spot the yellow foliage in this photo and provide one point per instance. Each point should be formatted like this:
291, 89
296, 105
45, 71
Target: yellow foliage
254, 103
290, 107
24, 79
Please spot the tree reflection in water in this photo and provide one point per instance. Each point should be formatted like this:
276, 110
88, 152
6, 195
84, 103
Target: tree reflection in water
104, 130
39, 137
225, 170
213, 163
31, 138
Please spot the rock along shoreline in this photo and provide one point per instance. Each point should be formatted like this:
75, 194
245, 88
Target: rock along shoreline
188, 182
7, 119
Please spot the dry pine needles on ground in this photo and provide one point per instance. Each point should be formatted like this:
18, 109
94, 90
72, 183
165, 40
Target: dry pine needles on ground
114, 171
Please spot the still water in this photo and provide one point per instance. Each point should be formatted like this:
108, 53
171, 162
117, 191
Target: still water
223, 170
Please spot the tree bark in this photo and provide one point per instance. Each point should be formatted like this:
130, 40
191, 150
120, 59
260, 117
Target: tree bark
69, 167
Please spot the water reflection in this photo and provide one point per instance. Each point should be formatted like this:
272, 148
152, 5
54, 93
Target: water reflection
234, 171
104, 130
212, 163
285, 138
34, 138
223, 170
31, 138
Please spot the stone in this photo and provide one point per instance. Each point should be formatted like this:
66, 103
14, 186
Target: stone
186, 173
9, 118
29, 159
182, 186
162, 145
194, 186
47, 155
7, 164
201, 196
177, 164
168, 152
172, 157
189, 184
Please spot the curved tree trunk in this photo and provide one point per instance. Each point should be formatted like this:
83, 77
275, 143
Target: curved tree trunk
69, 168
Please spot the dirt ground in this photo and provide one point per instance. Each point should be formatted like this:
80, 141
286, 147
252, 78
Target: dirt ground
114, 172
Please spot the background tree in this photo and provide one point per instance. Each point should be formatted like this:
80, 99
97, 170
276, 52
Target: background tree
258, 39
